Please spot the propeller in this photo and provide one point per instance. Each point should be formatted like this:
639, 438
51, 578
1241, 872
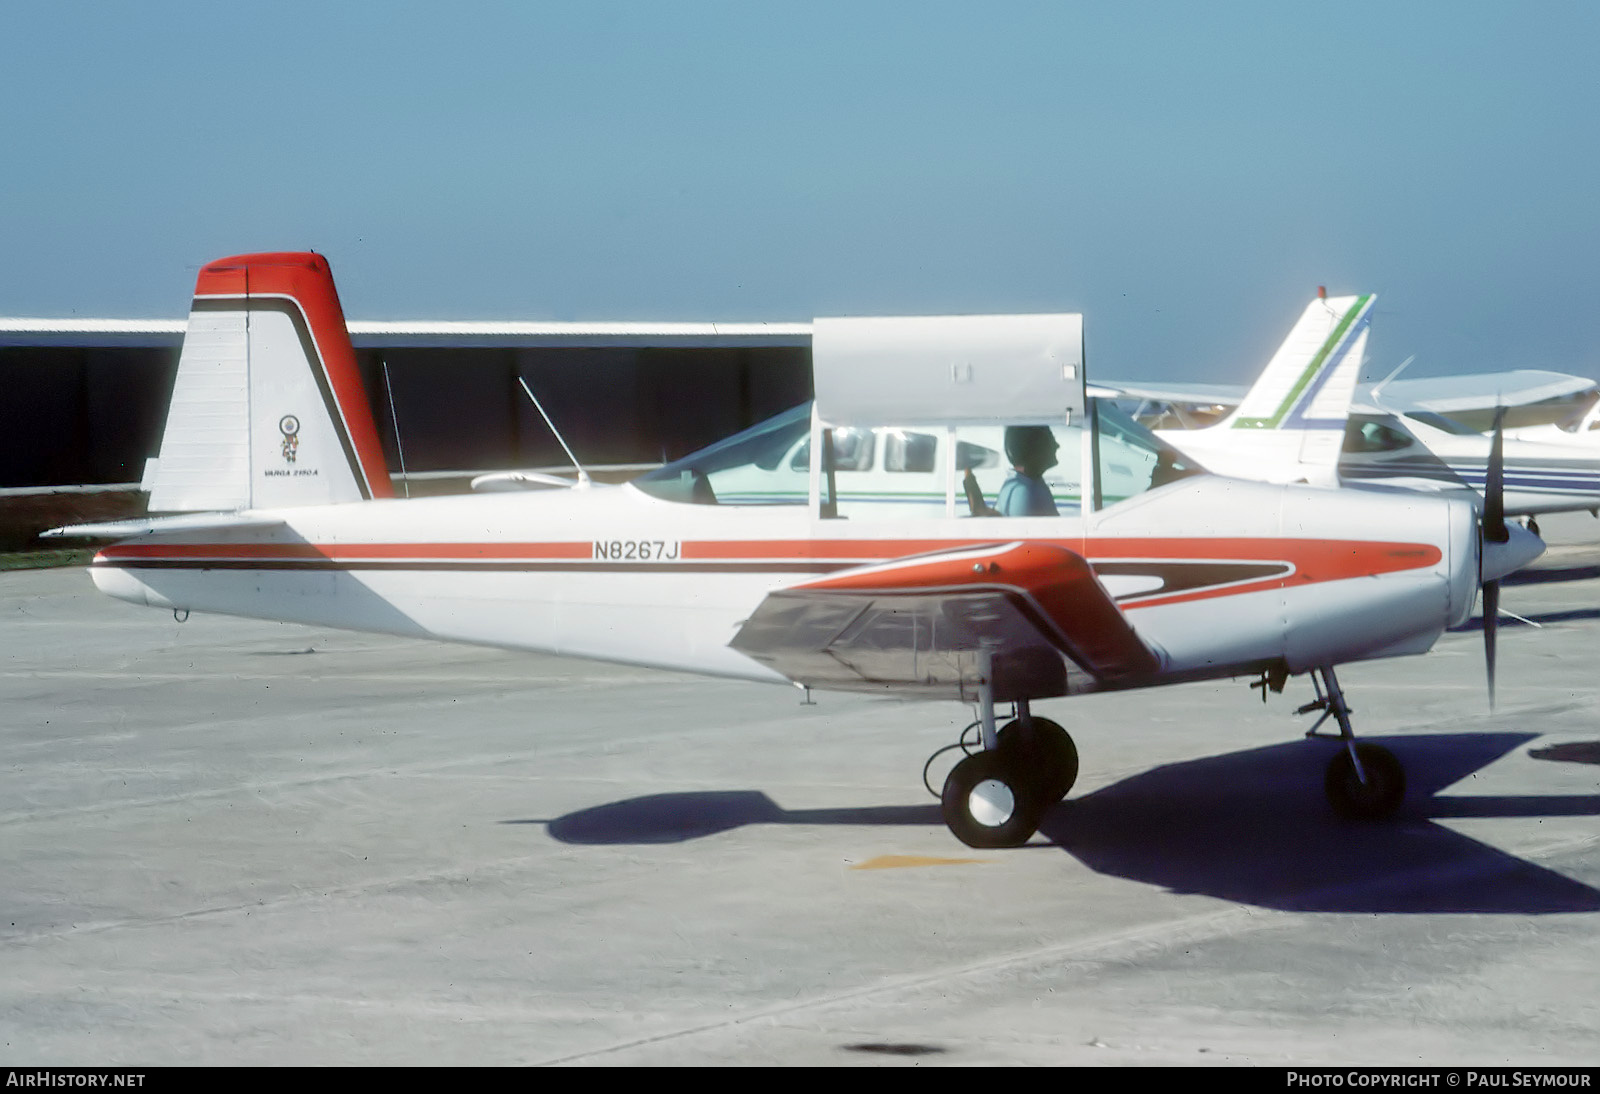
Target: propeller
1495, 530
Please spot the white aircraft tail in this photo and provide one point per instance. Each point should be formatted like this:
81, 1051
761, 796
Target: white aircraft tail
1290, 427
268, 410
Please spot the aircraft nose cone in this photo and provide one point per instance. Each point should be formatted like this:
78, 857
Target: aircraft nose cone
1500, 559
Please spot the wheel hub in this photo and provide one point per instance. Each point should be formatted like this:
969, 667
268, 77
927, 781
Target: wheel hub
991, 803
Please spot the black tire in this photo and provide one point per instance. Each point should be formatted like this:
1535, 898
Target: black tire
1051, 755
988, 802
1376, 798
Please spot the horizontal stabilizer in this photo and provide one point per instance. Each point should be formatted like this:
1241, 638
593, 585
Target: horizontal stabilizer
189, 522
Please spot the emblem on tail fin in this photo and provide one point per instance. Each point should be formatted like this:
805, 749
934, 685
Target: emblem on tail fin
289, 426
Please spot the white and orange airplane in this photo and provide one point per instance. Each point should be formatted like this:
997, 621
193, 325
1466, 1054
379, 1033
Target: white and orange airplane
271, 462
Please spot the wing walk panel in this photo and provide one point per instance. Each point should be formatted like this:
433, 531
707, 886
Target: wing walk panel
927, 625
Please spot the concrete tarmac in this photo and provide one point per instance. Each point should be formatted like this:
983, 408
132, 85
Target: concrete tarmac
233, 842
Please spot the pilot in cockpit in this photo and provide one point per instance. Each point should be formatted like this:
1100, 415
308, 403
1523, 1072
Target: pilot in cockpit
1032, 451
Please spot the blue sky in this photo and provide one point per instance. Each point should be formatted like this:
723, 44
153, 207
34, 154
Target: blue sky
1185, 175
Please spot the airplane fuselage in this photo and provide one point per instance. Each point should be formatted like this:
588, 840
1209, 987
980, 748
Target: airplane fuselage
1288, 576
1541, 475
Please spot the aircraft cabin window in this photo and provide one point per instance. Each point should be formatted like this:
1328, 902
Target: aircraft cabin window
853, 450
911, 452
1371, 435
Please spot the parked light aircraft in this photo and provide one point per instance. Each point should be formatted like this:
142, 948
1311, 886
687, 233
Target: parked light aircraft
1291, 425
1530, 397
1190, 577
1547, 469
1416, 450
1298, 424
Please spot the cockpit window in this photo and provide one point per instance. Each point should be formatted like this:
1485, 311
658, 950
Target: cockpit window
1371, 435
983, 471
889, 472
853, 450
754, 467
971, 456
1132, 459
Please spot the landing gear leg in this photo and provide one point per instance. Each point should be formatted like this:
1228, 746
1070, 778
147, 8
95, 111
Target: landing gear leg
991, 798
1364, 781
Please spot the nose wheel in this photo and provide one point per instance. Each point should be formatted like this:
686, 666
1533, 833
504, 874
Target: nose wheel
1364, 781
1368, 785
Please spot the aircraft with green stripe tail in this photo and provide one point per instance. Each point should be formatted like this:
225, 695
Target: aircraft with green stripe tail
1291, 425
1303, 421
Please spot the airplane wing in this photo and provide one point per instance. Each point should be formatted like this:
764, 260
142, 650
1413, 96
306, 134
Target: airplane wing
1480, 391
1469, 394
1031, 617
1164, 392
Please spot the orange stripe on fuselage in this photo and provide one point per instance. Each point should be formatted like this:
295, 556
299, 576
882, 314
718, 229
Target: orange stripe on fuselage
1332, 558
334, 552
1313, 561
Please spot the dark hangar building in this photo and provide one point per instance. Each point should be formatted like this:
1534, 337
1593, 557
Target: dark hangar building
86, 399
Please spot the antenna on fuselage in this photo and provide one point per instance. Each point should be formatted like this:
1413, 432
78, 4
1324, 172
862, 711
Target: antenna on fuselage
1378, 387
394, 420
583, 476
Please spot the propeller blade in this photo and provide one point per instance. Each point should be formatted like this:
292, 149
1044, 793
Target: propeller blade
1494, 487
1491, 619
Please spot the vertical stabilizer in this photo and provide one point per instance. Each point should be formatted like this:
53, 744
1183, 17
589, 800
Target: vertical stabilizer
268, 410
1290, 427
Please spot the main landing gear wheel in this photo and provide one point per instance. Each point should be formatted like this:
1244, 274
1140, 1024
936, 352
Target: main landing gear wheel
989, 801
1051, 755
1372, 798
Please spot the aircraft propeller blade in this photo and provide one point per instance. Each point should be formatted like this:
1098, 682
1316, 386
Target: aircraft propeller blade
1494, 487
1494, 531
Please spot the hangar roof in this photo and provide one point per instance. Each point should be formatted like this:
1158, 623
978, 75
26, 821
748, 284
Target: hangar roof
397, 333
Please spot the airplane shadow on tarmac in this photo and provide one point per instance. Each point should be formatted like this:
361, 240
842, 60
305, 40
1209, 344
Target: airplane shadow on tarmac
1250, 827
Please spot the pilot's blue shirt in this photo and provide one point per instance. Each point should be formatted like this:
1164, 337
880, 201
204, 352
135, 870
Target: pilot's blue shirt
1024, 496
